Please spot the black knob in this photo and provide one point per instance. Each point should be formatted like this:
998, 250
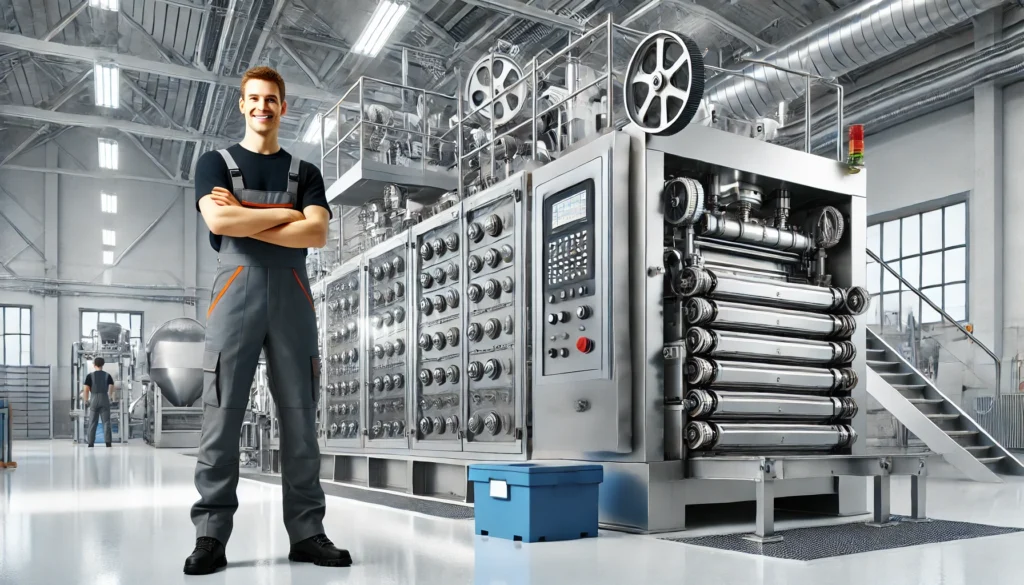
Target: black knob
492, 288
389, 319
583, 311
426, 307
507, 253
426, 377
378, 350
475, 370
453, 272
475, 293
426, 280
563, 316
492, 328
378, 272
440, 304
553, 318
378, 384
492, 225
426, 251
492, 257
398, 380
439, 247
475, 264
453, 374
475, 332
475, 232
564, 352
452, 297
452, 241
439, 275
399, 346
439, 376
426, 342
439, 341
552, 353
507, 284
452, 335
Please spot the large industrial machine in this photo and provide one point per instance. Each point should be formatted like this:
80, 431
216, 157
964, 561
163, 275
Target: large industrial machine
112, 343
601, 280
173, 412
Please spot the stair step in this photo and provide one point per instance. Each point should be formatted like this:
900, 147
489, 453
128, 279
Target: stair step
987, 460
909, 386
974, 449
888, 376
876, 352
961, 433
943, 416
881, 363
926, 401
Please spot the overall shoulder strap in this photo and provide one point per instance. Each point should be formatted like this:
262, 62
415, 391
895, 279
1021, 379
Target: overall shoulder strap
237, 184
293, 176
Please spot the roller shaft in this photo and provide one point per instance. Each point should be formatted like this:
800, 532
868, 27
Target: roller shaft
758, 406
726, 375
710, 436
740, 317
725, 228
772, 293
729, 345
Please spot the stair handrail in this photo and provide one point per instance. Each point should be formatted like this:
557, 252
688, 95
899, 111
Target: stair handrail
947, 316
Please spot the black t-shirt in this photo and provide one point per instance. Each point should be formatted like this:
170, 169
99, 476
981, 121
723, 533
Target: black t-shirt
261, 172
99, 382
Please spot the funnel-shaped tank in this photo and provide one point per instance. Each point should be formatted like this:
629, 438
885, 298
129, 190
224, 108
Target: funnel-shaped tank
176, 360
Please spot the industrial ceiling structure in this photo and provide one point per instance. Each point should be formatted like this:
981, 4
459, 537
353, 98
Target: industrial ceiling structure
178, 62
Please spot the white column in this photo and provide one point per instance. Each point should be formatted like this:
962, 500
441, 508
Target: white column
189, 262
49, 326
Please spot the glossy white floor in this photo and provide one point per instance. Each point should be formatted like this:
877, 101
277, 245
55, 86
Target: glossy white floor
119, 516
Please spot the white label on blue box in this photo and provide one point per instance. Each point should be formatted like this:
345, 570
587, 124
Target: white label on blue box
499, 489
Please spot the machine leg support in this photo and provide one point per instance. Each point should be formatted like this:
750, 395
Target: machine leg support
918, 499
883, 515
764, 531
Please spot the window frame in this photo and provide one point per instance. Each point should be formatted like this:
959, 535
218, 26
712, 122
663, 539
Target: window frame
29, 335
920, 210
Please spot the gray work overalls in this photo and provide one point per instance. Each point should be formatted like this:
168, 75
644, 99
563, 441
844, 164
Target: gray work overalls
99, 406
260, 301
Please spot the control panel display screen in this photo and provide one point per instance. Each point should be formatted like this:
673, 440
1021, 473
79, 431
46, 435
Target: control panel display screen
568, 210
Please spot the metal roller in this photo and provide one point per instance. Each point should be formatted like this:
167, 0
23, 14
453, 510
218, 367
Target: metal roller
708, 404
730, 345
724, 375
741, 317
695, 281
734, 230
736, 437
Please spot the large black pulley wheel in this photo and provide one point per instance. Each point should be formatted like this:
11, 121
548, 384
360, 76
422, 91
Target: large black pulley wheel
664, 83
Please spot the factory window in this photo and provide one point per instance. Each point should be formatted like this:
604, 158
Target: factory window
929, 250
108, 203
131, 321
108, 257
16, 338
108, 155
109, 238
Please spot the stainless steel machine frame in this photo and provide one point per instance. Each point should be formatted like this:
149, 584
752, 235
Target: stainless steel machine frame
158, 410
335, 314
119, 356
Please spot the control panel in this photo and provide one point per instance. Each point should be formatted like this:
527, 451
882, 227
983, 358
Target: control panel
439, 334
582, 374
496, 330
387, 344
342, 356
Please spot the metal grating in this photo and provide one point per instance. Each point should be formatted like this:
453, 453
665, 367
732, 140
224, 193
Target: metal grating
27, 392
808, 544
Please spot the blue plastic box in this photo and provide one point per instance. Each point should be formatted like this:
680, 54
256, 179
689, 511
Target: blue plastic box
532, 502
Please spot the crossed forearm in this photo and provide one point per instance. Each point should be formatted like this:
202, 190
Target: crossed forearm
306, 233
243, 222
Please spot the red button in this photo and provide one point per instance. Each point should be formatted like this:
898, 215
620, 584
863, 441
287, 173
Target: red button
584, 344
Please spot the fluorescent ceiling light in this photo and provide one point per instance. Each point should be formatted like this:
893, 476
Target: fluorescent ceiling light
382, 23
107, 79
106, 4
108, 257
108, 153
109, 238
312, 135
108, 203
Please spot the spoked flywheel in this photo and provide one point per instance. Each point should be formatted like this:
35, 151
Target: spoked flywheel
664, 83
483, 84
684, 201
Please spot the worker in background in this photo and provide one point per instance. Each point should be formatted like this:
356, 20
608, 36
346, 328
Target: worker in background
264, 208
97, 393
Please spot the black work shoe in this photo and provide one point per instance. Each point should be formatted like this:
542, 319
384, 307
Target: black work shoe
319, 550
108, 444
206, 558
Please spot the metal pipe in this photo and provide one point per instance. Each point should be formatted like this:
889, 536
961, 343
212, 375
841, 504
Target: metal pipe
750, 406
695, 281
727, 228
738, 437
731, 345
731, 375
745, 318
528, 12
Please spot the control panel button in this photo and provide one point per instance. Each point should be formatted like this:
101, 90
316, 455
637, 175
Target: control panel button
399, 315
378, 350
492, 288
378, 272
426, 342
378, 297
452, 271
583, 311
439, 276
492, 257
475, 332
426, 251
453, 374
452, 241
492, 369
388, 384
475, 370
353, 301
475, 232
452, 297
452, 335
378, 384
397, 265
388, 319
439, 341
492, 224
507, 253
492, 328
398, 380
552, 353
507, 284
399, 347
399, 290
439, 247
426, 378
426, 306
563, 352
475, 293
390, 295
440, 304
585, 344
426, 280
553, 318
475, 263
389, 348
509, 322
439, 376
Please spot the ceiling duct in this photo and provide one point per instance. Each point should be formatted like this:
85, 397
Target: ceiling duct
848, 40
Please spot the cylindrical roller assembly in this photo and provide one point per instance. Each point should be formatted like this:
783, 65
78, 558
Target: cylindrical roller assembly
702, 282
731, 345
734, 230
723, 375
730, 316
739, 437
736, 406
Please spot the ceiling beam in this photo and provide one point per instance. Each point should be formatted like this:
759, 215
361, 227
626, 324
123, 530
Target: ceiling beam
268, 27
133, 63
168, 54
288, 48
152, 157
66, 20
202, 5
522, 10
149, 100
72, 89
100, 122
102, 175
432, 26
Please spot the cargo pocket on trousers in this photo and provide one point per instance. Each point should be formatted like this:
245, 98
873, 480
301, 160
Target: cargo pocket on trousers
316, 380
211, 378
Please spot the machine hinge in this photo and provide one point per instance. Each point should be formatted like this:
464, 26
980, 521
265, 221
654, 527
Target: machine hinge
517, 194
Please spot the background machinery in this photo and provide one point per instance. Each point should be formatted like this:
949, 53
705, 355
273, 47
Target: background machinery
174, 384
112, 343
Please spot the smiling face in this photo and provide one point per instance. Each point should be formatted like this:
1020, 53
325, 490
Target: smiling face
262, 106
